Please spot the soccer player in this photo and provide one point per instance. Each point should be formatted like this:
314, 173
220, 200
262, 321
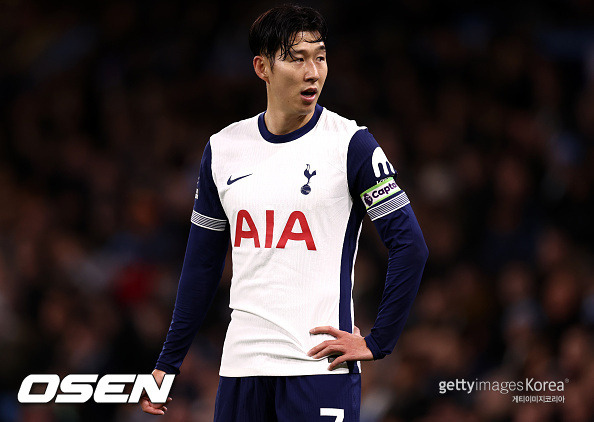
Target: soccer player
289, 188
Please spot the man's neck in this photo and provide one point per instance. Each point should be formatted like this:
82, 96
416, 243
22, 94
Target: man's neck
279, 123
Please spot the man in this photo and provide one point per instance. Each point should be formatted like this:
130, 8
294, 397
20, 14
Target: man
290, 188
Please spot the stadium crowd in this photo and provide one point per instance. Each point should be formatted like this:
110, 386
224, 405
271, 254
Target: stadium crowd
486, 110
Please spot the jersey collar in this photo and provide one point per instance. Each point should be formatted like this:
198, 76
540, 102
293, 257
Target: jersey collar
291, 136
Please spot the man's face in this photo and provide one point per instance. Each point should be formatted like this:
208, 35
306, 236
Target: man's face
296, 82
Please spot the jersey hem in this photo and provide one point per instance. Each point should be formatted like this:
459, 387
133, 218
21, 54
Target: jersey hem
244, 372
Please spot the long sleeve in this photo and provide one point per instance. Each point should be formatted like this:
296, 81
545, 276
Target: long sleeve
201, 272
374, 190
408, 253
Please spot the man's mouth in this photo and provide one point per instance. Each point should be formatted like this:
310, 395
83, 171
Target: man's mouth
309, 94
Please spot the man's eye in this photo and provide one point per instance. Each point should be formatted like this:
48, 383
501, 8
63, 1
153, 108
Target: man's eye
322, 58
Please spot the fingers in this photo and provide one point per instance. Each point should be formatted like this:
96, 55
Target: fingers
345, 347
154, 408
326, 330
326, 348
154, 411
337, 361
314, 350
149, 408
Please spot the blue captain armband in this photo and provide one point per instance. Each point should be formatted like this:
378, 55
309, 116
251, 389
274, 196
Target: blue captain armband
383, 198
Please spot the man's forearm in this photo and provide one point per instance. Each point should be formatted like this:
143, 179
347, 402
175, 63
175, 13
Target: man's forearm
201, 272
406, 262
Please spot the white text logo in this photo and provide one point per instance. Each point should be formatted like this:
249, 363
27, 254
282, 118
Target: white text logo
79, 388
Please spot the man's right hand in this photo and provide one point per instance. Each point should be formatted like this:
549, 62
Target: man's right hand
150, 407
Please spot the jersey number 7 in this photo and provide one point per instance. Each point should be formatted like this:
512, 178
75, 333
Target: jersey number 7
329, 411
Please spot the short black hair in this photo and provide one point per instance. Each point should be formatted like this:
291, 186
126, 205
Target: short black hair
276, 29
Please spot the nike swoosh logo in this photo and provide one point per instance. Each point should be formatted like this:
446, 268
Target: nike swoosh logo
230, 181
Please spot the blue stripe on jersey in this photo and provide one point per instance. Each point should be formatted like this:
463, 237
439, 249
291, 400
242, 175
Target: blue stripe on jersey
279, 139
346, 268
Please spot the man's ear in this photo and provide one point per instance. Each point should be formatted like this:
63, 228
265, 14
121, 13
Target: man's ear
262, 68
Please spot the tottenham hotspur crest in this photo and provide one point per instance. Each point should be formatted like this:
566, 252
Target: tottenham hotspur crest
306, 189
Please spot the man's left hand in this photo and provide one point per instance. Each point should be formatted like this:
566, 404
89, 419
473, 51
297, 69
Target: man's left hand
348, 346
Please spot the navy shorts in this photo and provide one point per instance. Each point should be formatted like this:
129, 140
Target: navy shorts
308, 398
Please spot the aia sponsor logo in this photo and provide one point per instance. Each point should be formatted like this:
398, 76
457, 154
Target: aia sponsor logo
247, 233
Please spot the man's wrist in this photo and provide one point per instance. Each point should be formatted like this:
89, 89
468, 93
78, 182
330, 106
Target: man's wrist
373, 346
168, 369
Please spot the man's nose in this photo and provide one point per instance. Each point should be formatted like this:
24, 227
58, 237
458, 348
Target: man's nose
311, 71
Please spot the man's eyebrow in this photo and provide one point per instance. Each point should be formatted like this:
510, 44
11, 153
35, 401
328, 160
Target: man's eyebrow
305, 50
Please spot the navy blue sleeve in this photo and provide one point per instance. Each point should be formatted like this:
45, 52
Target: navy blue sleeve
201, 272
374, 190
208, 211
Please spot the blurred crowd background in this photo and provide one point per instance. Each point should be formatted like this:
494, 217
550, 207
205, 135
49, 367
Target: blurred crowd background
485, 108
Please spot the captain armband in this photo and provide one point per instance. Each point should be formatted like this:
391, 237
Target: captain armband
384, 198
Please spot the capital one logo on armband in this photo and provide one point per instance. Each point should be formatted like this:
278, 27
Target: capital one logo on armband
246, 229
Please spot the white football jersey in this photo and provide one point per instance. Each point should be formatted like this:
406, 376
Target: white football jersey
294, 228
